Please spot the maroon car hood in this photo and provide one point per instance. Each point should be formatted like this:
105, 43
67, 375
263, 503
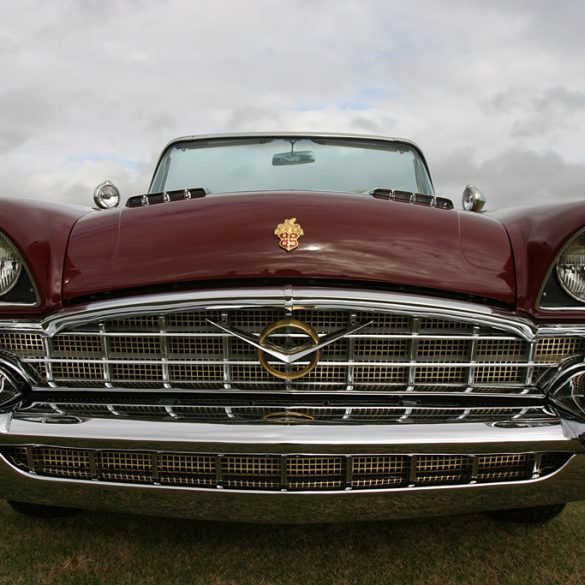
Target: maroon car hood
346, 237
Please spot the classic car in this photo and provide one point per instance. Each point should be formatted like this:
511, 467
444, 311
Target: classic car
292, 328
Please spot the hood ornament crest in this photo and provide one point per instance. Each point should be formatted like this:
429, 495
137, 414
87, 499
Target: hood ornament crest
289, 232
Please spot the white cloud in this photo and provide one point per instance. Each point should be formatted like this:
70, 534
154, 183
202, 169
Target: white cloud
93, 90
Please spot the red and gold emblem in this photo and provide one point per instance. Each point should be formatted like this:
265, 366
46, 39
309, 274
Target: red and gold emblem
289, 232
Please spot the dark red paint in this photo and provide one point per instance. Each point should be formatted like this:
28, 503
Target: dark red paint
72, 251
537, 235
40, 230
347, 237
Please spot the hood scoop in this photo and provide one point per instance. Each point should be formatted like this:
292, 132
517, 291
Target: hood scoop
166, 197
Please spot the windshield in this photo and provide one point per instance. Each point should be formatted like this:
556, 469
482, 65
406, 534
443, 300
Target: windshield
316, 164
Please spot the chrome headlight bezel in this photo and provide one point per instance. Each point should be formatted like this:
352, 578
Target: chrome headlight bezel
554, 294
20, 289
570, 267
9, 254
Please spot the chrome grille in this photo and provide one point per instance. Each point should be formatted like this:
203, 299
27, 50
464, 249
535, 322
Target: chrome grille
394, 353
269, 472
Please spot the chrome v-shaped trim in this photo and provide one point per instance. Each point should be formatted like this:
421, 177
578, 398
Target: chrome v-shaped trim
288, 357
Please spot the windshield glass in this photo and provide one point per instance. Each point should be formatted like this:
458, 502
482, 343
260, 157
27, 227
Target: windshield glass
316, 164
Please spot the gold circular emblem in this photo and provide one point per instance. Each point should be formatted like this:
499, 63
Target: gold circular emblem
285, 326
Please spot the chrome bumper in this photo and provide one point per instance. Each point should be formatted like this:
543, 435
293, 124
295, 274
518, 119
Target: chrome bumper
566, 484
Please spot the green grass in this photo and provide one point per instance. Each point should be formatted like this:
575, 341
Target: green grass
106, 548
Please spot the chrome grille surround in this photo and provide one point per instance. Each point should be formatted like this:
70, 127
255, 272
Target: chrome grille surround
291, 472
414, 344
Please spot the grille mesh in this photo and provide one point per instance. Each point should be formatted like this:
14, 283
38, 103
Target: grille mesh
77, 346
498, 375
22, 344
394, 353
557, 348
282, 472
500, 351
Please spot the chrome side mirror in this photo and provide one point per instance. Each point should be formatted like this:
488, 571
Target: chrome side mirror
106, 195
473, 199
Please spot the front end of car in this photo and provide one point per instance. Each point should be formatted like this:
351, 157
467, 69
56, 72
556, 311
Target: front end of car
293, 357
433, 407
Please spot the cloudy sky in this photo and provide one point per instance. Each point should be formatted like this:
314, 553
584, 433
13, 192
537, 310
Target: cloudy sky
493, 92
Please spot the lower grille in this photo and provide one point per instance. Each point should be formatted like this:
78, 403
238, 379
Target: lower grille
269, 472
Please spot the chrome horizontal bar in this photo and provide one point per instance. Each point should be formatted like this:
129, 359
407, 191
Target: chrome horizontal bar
198, 335
462, 389
235, 412
292, 406
217, 437
219, 361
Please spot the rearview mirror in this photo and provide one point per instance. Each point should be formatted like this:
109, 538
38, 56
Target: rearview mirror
302, 157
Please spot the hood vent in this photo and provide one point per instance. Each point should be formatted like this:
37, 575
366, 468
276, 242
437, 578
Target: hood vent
166, 197
394, 195
408, 197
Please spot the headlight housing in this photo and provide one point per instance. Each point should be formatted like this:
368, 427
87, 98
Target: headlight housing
570, 267
10, 265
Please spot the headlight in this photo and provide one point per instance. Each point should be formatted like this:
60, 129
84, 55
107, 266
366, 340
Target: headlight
571, 267
106, 195
10, 265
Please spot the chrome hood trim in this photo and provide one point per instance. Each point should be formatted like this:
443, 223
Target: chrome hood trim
290, 298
